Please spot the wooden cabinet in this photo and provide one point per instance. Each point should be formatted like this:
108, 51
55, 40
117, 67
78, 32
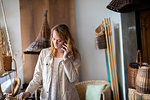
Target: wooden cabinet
145, 35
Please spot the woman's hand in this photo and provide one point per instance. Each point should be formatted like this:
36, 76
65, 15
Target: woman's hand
23, 95
66, 51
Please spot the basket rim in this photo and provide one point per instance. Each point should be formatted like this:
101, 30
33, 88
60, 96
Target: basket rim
93, 81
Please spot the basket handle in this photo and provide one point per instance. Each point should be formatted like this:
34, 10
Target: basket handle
15, 64
139, 57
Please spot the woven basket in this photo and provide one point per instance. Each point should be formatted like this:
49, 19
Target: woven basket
82, 86
1, 65
143, 80
134, 95
7, 62
131, 94
100, 37
124, 5
133, 69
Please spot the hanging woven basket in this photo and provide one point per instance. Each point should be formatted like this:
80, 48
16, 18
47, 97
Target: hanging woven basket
100, 37
1, 64
7, 62
5, 59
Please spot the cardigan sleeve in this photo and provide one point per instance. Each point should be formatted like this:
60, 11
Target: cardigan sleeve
71, 68
37, 77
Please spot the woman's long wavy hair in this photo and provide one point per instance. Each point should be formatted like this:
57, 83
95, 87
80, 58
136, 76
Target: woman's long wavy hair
65, 35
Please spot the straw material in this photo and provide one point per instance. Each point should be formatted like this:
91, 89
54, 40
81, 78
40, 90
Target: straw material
3, 43
81, 88
1, 53
134, 95
143, 80
131, 94
128, 5
7, 62
100, 37
42, 40
132, 71
1, 63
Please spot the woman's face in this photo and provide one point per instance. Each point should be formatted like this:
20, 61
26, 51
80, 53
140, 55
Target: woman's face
57, 41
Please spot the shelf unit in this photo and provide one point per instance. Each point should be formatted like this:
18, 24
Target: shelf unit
7, 73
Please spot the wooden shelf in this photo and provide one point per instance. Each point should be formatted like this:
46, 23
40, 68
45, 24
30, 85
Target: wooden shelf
7, 73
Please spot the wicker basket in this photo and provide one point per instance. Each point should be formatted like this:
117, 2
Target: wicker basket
133, 69
100, 37
1, 63
7, 62
82, 86
134, 95
143, 80
131, 94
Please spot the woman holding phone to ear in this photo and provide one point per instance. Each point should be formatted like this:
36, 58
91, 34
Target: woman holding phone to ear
57, 67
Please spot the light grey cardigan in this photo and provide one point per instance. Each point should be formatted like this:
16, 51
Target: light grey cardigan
68, 73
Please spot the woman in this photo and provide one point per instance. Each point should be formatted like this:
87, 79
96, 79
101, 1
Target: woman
57, 67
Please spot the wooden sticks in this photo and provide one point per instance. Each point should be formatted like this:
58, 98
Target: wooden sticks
111, 58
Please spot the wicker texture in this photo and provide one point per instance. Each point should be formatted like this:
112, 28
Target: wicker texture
132, 73
133, 69
100, 37
134, 95
128, 5
7, 62
81, 88
143, 80
42, 40
1, 63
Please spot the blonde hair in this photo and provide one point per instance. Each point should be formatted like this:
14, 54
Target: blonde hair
65, 35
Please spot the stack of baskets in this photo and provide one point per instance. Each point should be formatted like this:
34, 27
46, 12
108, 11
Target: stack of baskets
139, 78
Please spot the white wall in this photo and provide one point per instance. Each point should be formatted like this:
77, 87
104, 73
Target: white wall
12, 11
89, 14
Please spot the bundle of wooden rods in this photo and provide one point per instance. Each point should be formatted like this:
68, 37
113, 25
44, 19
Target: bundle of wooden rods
111, 58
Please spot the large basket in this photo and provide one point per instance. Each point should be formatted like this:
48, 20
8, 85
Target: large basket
100, 37
133, 69
82, 86
143, 80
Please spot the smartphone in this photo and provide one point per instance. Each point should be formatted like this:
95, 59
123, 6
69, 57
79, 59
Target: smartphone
64, 44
